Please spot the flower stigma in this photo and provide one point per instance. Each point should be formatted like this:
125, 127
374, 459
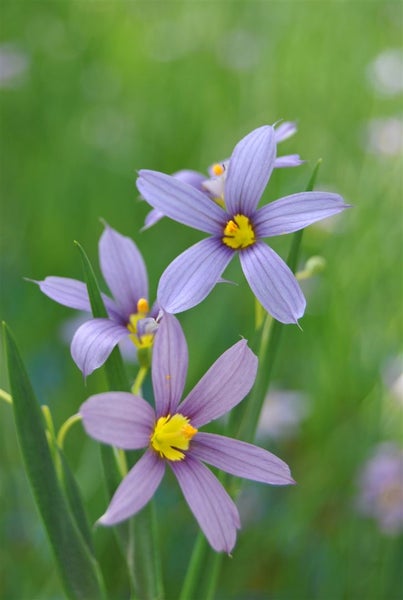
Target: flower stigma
171, 435
146, 339
239, 233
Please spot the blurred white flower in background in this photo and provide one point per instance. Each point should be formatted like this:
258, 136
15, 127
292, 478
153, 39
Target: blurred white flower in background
14, 64
385, 72
392, 375
283, 411
239, 50
384, 136
380, 484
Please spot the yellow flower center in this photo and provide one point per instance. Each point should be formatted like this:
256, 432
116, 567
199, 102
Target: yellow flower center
239, 233
140, 341
171, 435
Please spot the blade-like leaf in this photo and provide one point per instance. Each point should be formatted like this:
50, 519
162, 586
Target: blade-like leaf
78, 569
117, 380
73, 496
114, 368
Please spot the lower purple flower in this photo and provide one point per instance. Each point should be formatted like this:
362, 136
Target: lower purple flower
171, 436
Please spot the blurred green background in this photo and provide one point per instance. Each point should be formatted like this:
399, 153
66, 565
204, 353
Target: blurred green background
91, 92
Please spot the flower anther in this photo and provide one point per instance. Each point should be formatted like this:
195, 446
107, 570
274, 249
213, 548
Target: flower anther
171, 435
145, 340
239, 233
218, 169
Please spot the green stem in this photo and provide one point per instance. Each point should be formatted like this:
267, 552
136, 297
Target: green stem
121, 461
138, 382
214, 574
194, 568
50, 432
65, 428
148, 560
268, 348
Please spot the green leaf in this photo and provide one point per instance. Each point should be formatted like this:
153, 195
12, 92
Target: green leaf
114, 368
79, 571
73, 495
117, 381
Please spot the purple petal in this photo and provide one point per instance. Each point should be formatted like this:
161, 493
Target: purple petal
136, 489
93, 342
289, 160
294, 212
285, 130
119, 419
212, 507
273, 283
249, 170
72, 293
152, 218
192, 275
240, 459
193, 178
181, 201
169, 365
224, 385
123, 269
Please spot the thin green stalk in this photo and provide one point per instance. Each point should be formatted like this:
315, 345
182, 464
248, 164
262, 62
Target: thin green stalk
148, 561
121, 461
214, 573
193, 571
65, 428
113, 463
268, 349
138, 382
269, 344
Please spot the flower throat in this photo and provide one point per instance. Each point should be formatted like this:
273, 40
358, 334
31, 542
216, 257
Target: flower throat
239, 233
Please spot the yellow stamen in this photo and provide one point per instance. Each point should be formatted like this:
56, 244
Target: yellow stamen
239, 233
142, 305
171, 435
146, 340
218, 169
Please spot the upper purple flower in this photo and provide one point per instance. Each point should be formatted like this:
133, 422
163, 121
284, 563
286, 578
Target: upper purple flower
128, 314
171, 435
214, 187
238, 228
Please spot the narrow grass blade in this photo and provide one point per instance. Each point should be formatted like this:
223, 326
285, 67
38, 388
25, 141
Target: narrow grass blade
78, 569
73, 496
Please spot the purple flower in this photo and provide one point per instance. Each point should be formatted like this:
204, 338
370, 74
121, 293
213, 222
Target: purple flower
128, 314
381, 488
214, 187
171, 435
238, 228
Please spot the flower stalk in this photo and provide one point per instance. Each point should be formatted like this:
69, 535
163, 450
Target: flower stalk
269, 342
